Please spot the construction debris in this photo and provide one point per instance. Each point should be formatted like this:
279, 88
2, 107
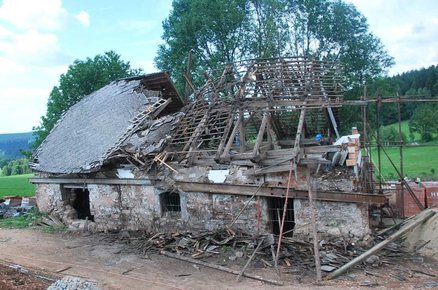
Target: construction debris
12, 206
411, 225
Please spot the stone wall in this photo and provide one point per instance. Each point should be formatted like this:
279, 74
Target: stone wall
48, 197
117, 207
133, 207
340, 219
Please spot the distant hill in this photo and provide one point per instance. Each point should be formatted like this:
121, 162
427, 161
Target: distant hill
11, 144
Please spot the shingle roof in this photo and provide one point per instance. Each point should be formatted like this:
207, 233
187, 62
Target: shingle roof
81, 138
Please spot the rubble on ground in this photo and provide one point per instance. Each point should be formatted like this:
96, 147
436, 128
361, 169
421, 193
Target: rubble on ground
73, 283
12, 206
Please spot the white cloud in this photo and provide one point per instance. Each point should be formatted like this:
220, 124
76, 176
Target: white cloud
41, 14
9, 67
408, 29
148, 66
31, 58
32, 48
29, 102
84, 18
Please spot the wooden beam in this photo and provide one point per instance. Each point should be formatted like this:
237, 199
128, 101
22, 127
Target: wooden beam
248, 190
225, 155
115, 181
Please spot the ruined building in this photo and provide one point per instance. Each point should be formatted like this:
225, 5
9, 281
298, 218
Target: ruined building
133, 156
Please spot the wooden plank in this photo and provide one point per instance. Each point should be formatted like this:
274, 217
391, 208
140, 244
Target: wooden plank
321, 149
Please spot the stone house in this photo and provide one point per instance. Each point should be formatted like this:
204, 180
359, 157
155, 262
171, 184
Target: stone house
133, 156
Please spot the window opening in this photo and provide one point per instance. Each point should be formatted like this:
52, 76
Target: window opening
170, 202
275, 208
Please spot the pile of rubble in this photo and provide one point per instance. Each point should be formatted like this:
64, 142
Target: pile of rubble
229, 247
229, 250
12, 206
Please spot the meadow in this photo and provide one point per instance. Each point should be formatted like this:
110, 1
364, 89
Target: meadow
418, 161
16, 185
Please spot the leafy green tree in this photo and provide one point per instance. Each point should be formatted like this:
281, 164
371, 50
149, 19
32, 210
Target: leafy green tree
82, 78
15, 167
222, 31
214, 31
336, 31
424, 122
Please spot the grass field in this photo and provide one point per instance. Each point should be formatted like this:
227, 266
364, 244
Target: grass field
418, 161
16, 185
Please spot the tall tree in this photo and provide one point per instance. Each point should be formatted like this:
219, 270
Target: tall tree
222, 31
82, 78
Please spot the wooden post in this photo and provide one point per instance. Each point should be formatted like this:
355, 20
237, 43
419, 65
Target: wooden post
311, 187
226, 152
402, 190
259, 139
186, 75
225, 135
378, 107
249, 260
293, 167
242, 131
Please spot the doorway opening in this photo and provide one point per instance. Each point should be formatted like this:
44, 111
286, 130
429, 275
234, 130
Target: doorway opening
79, 199
276, 209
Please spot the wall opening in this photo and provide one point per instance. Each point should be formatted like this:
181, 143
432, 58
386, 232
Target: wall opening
276, 208
81, 203
79, 199
170, 203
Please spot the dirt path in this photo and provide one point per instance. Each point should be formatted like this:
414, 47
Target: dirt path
90, 258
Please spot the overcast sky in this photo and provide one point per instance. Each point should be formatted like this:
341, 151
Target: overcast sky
40, 38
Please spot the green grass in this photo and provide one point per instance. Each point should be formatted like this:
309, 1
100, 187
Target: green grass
31, 219
418, 161
406, 131
16, 185
23, 221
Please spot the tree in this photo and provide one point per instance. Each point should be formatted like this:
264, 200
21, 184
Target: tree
15, 167
423, 122
82, 78
214, 31
223, 31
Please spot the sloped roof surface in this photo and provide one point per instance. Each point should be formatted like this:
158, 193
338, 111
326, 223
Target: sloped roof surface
81, 138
